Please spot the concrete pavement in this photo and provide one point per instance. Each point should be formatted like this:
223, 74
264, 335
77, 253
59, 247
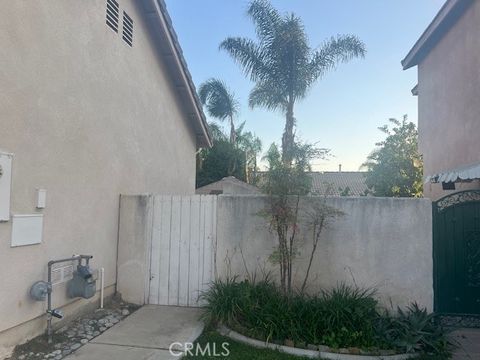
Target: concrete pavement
469, 344
145, 335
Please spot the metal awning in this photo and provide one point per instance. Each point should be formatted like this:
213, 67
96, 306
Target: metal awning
465, 173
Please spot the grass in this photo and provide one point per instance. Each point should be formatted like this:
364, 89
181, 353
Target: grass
237, 350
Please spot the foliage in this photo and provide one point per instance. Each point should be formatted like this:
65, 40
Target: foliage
414, 329
252, 146
228, 159
281, 179
283, 65
344, 316
285, 183
221, 160
237, 350
395, 167
220, 102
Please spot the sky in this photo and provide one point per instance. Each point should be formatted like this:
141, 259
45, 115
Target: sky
343, 110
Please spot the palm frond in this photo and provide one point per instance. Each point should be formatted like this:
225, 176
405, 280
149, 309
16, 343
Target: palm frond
218, 100
339, 49
217, 132
266, 18
246, 53
268, 95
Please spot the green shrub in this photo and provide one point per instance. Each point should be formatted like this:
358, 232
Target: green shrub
414, 330
349, 316
345, 316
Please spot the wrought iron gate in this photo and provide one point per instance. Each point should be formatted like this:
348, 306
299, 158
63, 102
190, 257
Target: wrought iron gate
456, 251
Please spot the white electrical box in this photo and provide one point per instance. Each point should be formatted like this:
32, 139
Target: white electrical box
5, 185
27, 229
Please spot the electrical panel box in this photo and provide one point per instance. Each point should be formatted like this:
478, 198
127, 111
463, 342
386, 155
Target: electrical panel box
5, 185
27, 229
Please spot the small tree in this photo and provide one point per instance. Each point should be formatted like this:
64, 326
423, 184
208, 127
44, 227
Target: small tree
318, 215
285, 184
395, 167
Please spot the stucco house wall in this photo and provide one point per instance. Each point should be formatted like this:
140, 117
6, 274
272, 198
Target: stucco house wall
87, 117
448, 106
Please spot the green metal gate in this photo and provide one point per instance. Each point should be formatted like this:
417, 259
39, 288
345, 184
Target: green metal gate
456, 253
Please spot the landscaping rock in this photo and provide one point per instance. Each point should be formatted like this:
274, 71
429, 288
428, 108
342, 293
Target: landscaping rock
289, 343
354, 351
323, 348
301, 345
72, 336
312, 347
387, 352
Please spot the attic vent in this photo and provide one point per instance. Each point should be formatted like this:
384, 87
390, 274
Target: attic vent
127, 29
112, 14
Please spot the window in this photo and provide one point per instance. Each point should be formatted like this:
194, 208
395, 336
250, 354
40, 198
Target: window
127, 29
112, 14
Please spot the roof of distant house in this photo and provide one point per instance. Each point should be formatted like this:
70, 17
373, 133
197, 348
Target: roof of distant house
228, 185
164, 35
339, 183
448, 15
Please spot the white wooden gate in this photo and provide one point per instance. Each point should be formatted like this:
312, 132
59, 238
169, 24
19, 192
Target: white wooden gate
182, 248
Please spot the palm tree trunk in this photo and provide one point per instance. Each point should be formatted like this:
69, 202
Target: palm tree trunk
232, 131
288, 138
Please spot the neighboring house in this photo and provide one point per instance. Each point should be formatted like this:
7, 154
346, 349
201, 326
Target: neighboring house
339, 183
328, 183
448, 59
227, 185
95, 101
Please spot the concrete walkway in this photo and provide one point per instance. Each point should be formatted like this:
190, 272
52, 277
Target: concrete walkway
469, 344
144, 335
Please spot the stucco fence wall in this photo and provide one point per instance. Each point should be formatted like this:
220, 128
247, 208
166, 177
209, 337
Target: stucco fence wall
381, 243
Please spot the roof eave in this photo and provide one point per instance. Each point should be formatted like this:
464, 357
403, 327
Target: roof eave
171, 51
448, 15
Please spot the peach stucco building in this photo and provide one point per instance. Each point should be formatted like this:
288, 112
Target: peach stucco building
447, 56
95, 101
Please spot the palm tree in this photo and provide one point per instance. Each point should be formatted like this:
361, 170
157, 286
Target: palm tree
282, 64
220, 102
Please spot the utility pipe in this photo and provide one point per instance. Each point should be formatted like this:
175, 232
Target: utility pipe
102, 285
54, 312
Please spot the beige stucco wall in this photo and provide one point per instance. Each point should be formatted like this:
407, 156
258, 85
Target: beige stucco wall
382, 243
87, 118
448, 101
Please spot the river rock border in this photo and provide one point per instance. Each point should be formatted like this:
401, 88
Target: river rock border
313, 354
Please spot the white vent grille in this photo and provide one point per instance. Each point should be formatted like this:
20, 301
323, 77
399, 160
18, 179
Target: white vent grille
112, 14
127, 29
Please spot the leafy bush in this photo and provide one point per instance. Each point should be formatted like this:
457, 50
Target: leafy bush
342, 317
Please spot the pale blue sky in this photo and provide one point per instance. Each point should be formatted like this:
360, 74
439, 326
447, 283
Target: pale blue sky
343, 110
